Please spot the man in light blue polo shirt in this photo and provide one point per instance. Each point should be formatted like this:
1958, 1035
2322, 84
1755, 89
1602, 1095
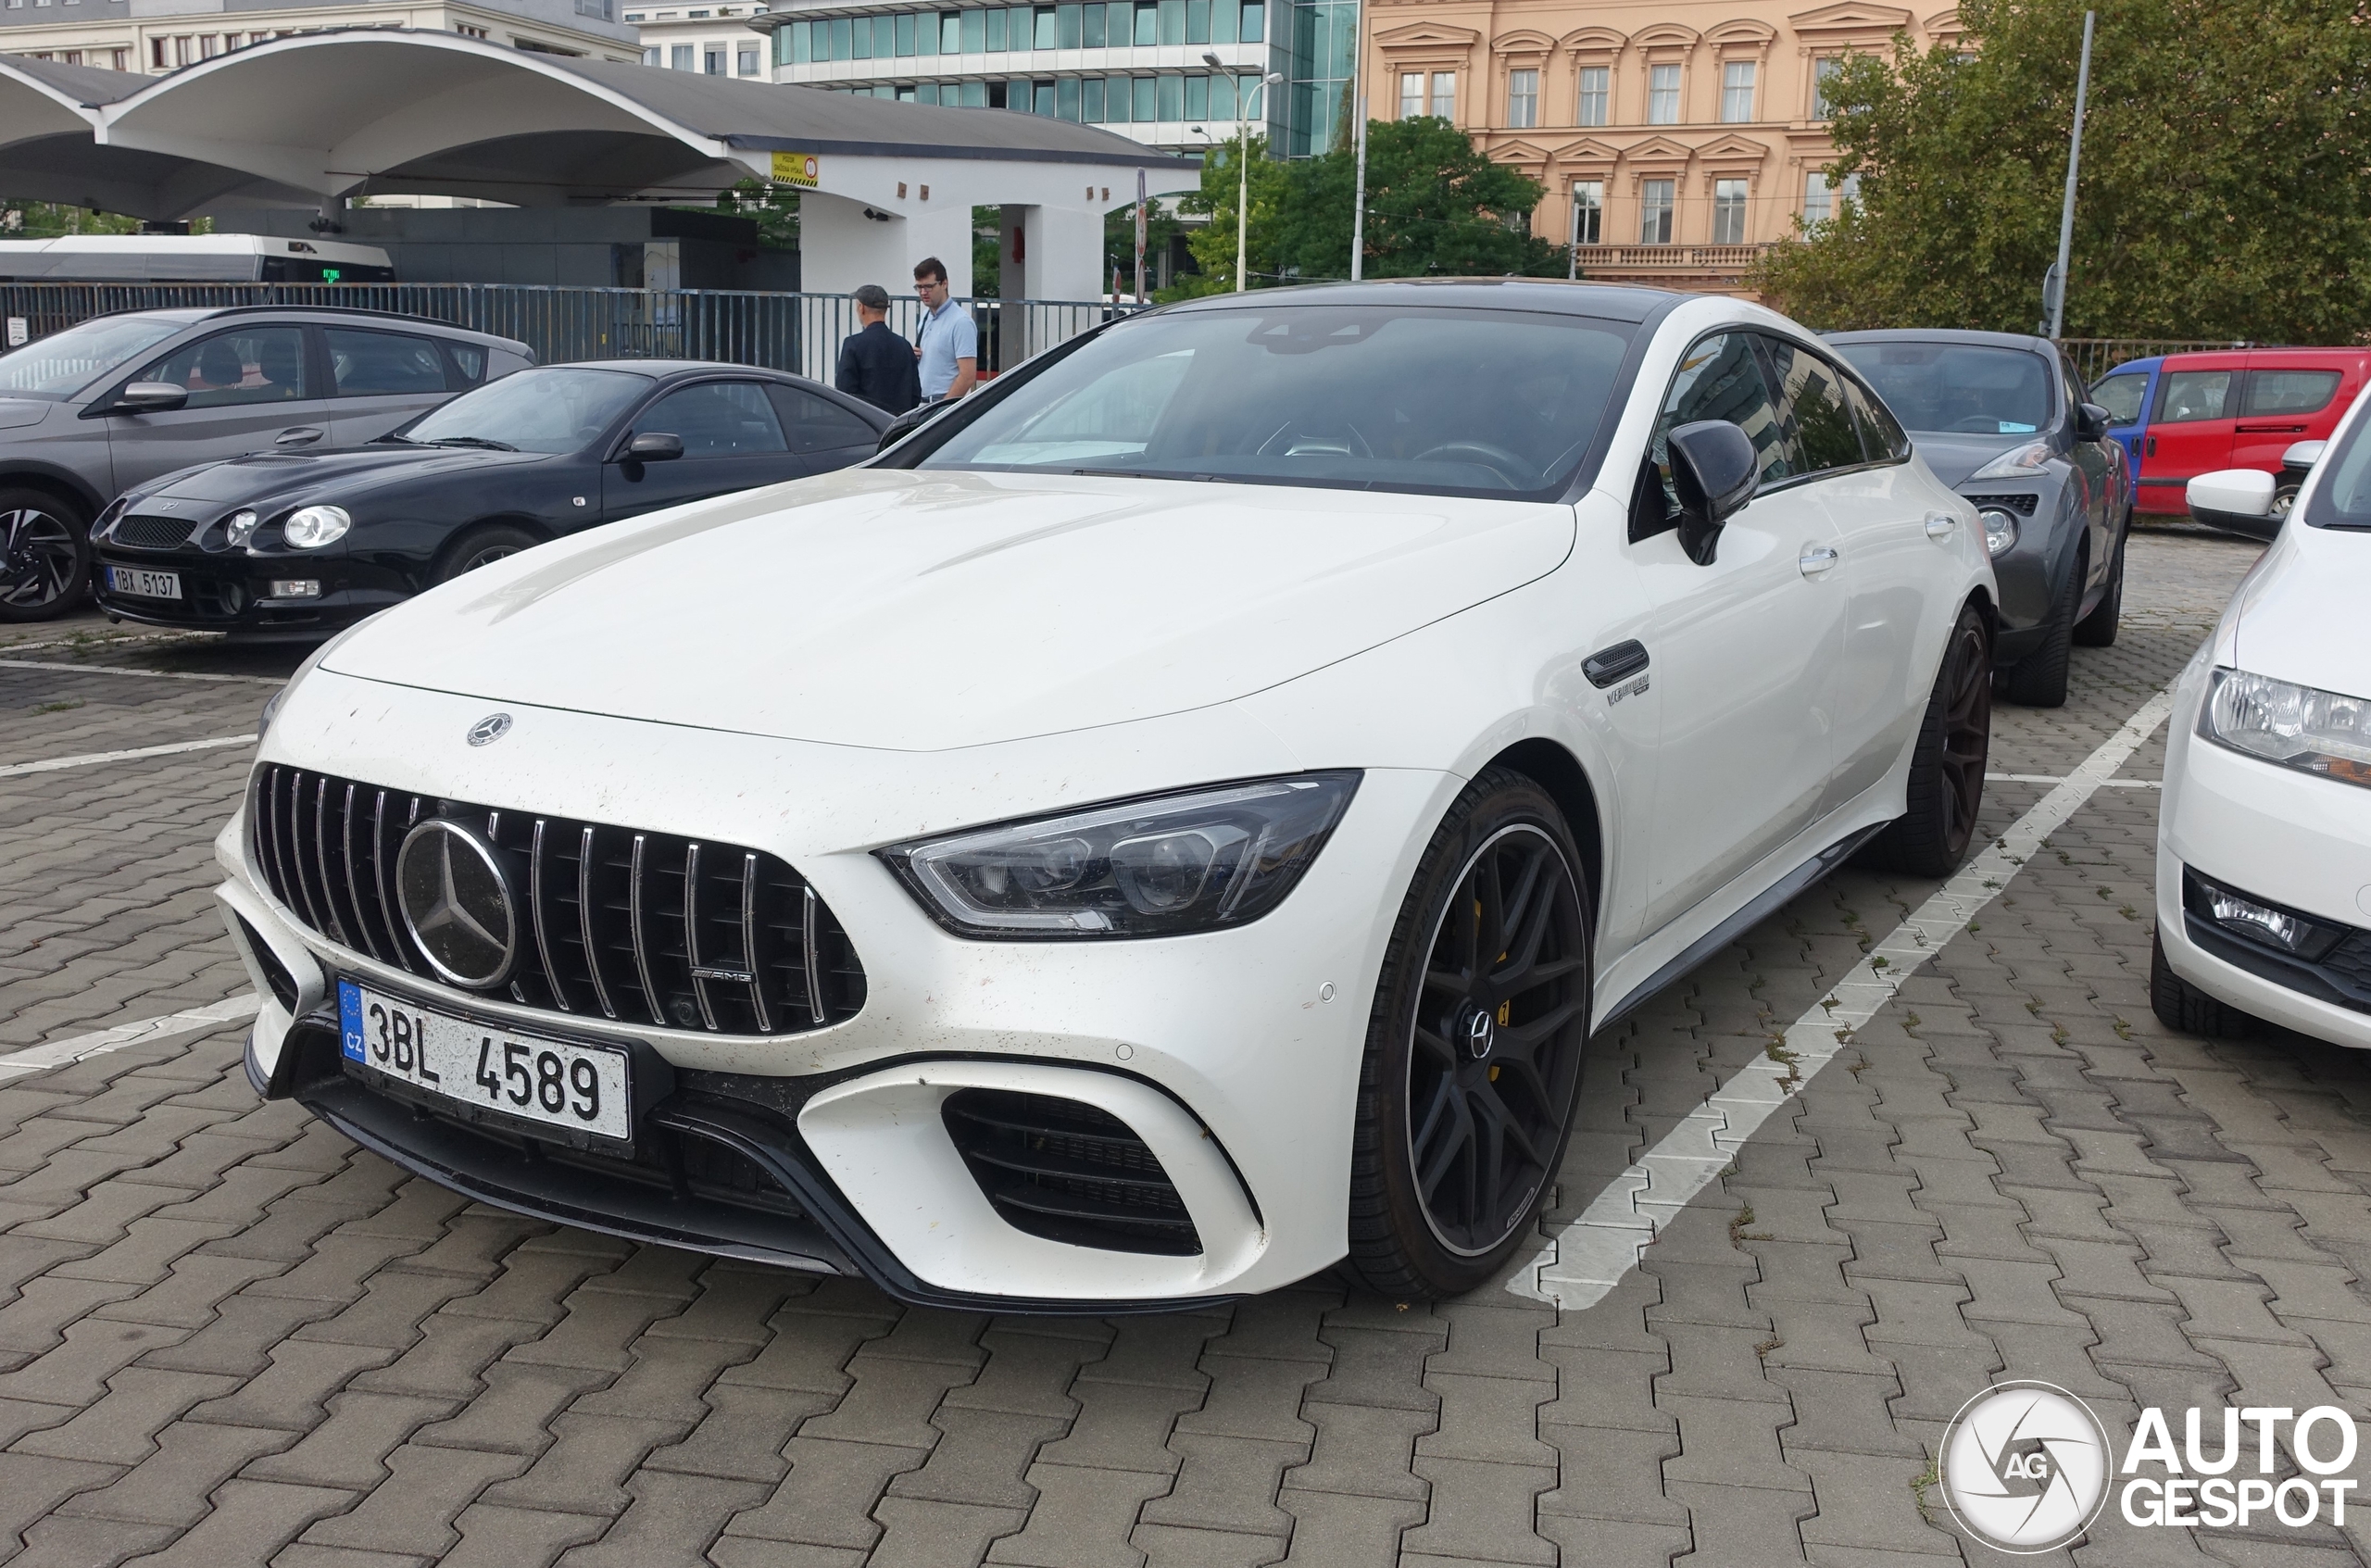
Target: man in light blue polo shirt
948, 346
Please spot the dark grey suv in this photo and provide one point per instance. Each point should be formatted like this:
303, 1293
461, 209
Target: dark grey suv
2001, 419
88, 412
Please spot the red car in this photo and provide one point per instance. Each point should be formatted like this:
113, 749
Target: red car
2188, 414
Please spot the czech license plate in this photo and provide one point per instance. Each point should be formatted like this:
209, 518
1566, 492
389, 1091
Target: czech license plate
557, 1082
148, 584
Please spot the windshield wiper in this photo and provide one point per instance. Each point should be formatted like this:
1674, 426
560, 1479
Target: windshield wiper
392, 436
486, 442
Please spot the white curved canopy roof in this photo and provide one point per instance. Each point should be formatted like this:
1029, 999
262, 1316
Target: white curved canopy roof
299, 120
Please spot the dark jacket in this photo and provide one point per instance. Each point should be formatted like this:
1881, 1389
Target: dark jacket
878, 366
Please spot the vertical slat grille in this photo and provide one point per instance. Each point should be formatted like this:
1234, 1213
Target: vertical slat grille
1068, 1172
640, 926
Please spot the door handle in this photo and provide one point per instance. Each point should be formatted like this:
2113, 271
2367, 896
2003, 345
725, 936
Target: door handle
2152, 447
1939, 526
1815, 559
298, 436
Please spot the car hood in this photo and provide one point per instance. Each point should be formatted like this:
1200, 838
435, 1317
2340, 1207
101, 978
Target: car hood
927, 610
1952, 458
2299, 611
263, 479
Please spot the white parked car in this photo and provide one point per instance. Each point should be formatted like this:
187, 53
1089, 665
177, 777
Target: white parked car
1166, 826
2263, 840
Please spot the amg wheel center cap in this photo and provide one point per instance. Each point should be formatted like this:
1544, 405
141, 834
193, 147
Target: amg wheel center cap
458, 903
1481, 1034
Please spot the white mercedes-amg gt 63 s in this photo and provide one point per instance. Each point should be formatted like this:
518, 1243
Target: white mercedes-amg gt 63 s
1163, 828
2264, 838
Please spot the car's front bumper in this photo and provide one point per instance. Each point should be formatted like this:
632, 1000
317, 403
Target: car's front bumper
2026, 573
1233, 1056
231, 591
2277, 836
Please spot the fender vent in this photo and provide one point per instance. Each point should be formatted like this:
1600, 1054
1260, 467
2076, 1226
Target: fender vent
1070, 1172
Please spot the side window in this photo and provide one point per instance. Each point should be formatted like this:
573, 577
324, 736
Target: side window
718, 419
1719, 378
384, 364
1882, 436
2072, 385
469, 363
2120, 395
817, 424
255, 365
2289, 392
1811, 409
2185, 395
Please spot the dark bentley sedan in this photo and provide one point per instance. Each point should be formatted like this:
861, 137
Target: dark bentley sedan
299, 544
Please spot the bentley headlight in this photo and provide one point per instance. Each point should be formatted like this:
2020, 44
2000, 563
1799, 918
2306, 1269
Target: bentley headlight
1194, 861
1999, 529
2017, 462
310, 528
240, 529
2314, 732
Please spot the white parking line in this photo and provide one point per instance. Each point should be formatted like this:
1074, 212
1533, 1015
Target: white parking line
2053, 778
1586, 1258
146, 674
196, 1020
88, 760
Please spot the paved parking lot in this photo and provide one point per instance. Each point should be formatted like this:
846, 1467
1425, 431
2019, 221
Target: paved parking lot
227, 1337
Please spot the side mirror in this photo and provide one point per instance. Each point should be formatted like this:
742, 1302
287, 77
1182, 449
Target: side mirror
1715, 470
653, 446
2233, 492
2303, 453
150, 397
2092, 422
911, 421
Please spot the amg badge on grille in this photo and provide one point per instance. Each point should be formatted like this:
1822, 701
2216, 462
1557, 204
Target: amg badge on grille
458, 903
488, 729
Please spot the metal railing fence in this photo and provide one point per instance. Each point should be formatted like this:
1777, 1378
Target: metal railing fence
788, 331
2095, 356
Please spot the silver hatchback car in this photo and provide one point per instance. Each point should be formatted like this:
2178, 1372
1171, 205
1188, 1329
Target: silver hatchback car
88, 412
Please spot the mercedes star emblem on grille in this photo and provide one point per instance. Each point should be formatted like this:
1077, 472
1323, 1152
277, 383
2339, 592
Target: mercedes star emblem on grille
458, 903
491, 727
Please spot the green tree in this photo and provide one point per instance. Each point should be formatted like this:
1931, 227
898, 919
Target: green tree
2222, 192
1212, 245
1435, 205
49, 220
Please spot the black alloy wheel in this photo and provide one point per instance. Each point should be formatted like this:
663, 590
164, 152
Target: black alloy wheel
482, 547
1473, 1059
44, 559
1948, 761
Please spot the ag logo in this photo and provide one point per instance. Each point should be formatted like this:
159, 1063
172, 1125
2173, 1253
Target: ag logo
488, 729
2025, 1467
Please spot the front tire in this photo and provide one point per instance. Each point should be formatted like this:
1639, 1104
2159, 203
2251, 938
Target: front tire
45, 558
2039, 680
1948, 761
481, 546
2185, 1009
1473, 1063
2098, 628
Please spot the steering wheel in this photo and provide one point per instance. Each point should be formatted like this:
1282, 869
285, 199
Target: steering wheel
1505, 464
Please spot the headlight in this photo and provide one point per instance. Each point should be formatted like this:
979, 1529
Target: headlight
1999, 529
2018, 462
2314, 732
310, 528
1142, 867
241, 528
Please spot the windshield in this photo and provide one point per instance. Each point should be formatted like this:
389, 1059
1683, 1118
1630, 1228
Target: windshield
555, 408
2343, 498
1440, 400
64, 363
1957, 388
2120, 395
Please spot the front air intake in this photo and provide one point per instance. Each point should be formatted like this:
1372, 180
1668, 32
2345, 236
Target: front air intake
1070, 1172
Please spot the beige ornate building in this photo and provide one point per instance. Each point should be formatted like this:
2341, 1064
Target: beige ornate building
1681, 137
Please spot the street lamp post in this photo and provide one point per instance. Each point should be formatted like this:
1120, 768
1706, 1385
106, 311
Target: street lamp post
1242, 156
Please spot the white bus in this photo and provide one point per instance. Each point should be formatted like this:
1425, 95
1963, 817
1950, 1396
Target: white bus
191, 259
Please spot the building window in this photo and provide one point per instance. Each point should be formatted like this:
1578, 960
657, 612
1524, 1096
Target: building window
1595, 95
1663, 94
745, 62
123, 59
1728, 212
713, 60
1823, 70
156, 53
1140, 91
1822, 199
650, 56
1589, 212
1736, 92
1412, 93
679, 57
1445, 93
465, 31
601, 8
1654, 211
1523, 99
